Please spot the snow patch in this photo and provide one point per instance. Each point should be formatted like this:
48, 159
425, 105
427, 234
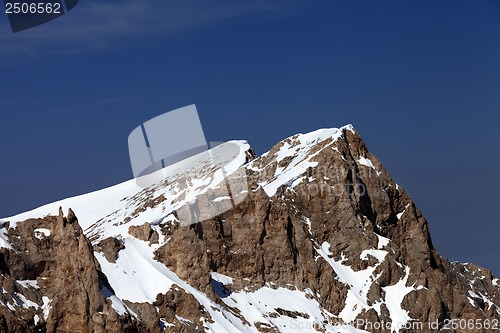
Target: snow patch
224, 279
23, 302
268, 307
136, 276
46, 307
4, 239
218, 199
41, 233
382, 242
338, 151
184, 320
394, 296
366, 162
483, 297
379, 254
307, 221
120, 307
164, 324
359, 282
401, 214
28, 283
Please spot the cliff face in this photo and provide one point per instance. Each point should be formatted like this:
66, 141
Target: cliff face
52, 282
324, 240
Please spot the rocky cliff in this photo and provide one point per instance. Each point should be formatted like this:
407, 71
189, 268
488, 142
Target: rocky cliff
323, 240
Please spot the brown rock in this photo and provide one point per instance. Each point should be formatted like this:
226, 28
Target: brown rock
110, 247
144, 232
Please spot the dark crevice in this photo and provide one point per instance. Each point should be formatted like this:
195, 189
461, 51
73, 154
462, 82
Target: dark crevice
290, 238
220, 226
4, 268
266, 220
198, 230
365, 202
262, 234
349, 183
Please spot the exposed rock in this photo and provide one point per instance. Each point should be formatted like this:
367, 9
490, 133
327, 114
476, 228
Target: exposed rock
64, 292
144, 232
110, 247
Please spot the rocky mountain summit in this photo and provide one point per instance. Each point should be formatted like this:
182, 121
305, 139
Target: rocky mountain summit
322, 241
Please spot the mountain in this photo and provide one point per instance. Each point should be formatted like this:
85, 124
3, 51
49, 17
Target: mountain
323, 240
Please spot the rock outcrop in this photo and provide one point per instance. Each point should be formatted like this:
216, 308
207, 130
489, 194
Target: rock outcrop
52, 282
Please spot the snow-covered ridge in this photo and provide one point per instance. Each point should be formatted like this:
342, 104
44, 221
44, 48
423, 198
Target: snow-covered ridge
298, 148
111, 211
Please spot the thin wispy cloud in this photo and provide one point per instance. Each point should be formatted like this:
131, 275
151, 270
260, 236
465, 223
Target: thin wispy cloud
58, 110
94, 25
66, 110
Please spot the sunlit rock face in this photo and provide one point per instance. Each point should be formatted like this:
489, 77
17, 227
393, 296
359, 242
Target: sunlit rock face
322, 240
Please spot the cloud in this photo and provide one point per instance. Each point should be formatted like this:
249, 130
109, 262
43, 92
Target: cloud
94, 25
59, 110
65, 110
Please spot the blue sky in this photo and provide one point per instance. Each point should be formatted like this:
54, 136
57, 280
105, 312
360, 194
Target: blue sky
420, 80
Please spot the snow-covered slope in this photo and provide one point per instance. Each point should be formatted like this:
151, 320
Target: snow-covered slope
111, 211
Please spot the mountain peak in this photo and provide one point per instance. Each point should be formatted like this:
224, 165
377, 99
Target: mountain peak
318, 237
